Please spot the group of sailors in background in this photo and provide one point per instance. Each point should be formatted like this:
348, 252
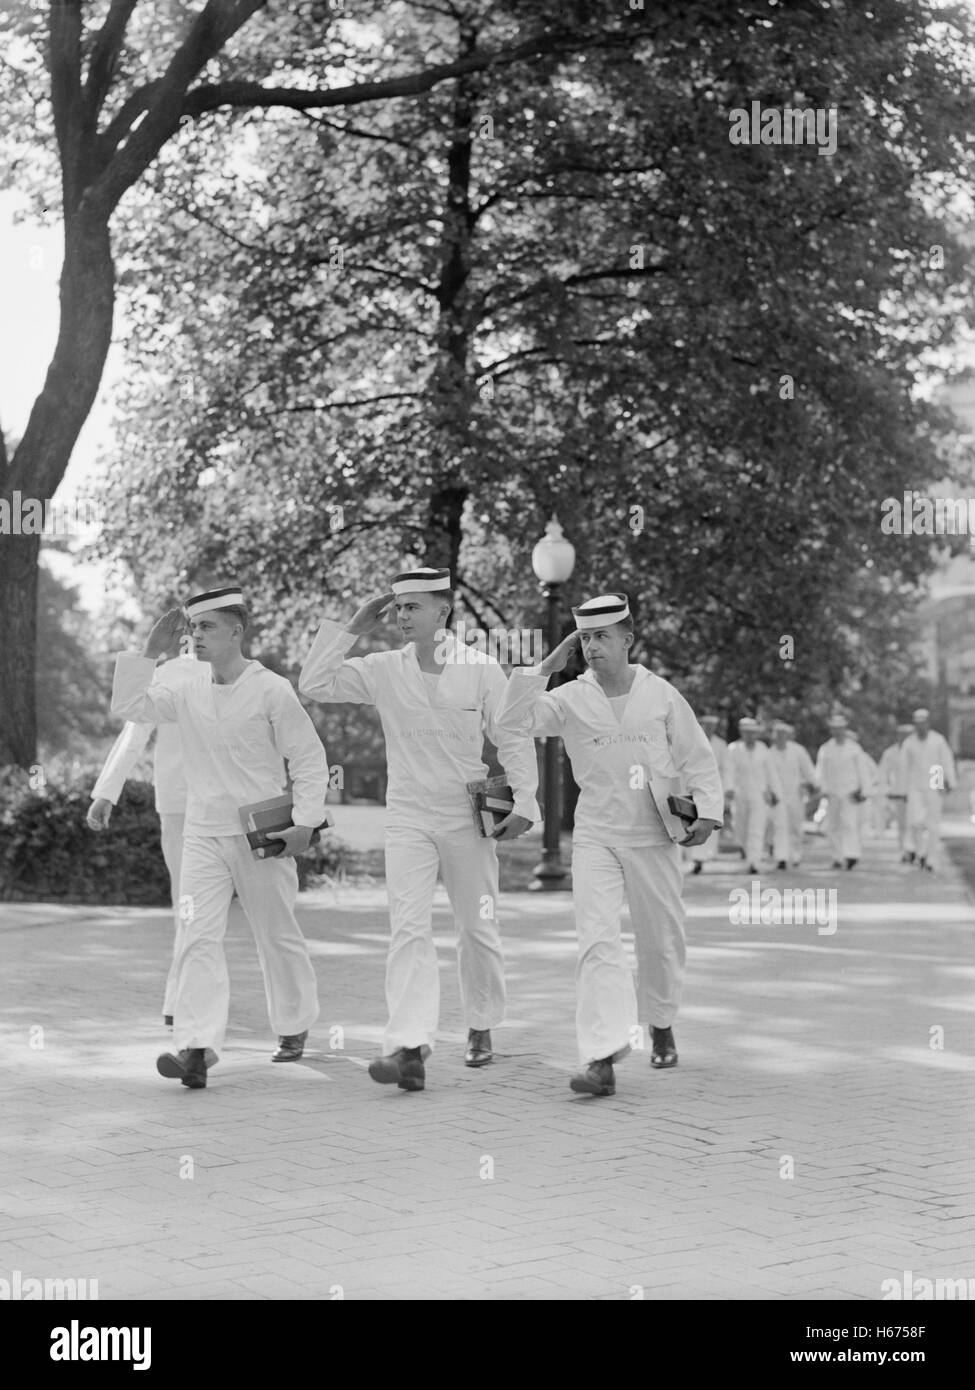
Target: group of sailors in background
772, 787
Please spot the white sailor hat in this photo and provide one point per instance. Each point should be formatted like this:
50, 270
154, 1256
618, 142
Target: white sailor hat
421, 581
747, 722
601, 611
905, 728
837, 721
231, 597
781, 724
920, 714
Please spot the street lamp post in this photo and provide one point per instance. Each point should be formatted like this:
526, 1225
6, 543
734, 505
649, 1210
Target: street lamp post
553, 559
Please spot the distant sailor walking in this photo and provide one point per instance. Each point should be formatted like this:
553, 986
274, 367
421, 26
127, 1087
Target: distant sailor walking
436, 699
893, 783
929, 772
797, 778
846, 779
753, 788
633, 741
244, 736
701, 854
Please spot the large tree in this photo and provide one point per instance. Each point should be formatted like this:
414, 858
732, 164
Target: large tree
572, 293
101, 89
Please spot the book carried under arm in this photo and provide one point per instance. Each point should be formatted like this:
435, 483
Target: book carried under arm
677, 810
491, 801
261, 818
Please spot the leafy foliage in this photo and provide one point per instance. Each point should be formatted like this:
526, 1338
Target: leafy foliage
640, 315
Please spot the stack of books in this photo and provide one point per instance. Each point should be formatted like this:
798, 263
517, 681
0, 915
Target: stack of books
491, 800
262, 818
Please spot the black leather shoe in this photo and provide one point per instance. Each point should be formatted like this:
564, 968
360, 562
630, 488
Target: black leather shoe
664, 1050
188, 1066
598, 1079
479, 1051
167, 1020
404, 1067
850, 863
781, 864
697, 866
290, 1047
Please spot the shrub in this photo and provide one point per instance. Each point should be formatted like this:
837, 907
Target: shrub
48, 853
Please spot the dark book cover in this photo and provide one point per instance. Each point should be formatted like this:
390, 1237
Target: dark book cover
491, 800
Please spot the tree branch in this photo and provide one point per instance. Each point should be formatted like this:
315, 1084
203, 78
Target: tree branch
312, 407
251, 94
104, 57
209, 32
64, 50
382, 270
466, 587
125, 117
347, 128
582, 277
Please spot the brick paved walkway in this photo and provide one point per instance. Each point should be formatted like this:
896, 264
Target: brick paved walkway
801, 1053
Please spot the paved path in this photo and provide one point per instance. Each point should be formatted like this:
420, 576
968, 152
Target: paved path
814, 1141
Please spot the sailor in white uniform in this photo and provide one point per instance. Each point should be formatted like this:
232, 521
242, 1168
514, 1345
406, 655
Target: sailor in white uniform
699, 855
633, 741
846, 779
893, 782
169, 783
929, 772
436, 699
797, 778
753, 788
244, 736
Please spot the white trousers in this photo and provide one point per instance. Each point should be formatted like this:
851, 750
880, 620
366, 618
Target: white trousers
213, 866
842, 826
905, 835
171, 835
749, 817
787, 818
468, 865
924, 824
608, 1008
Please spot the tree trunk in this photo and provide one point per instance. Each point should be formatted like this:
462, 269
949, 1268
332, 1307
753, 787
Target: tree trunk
452, 388
39, 463
18, 646
443, 533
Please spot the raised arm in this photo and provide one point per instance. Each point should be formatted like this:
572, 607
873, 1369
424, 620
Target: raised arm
525, 708
326, 675
131, 696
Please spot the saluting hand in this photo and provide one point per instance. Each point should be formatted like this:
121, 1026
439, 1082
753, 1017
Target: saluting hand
165, 634
369, 615
557, 660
